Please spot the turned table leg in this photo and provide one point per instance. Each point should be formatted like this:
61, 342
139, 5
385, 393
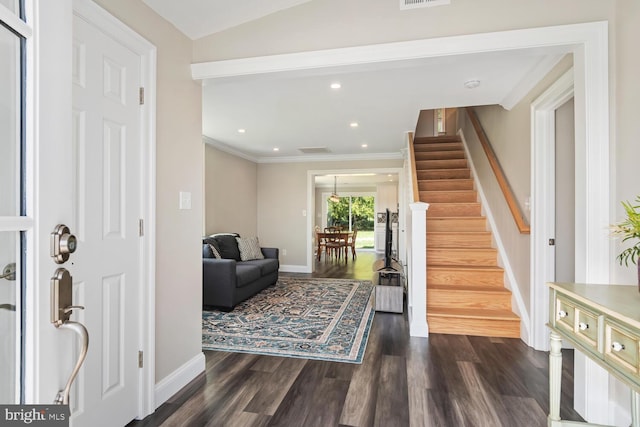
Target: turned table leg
555, 377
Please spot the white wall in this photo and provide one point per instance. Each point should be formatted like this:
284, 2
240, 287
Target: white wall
179, 160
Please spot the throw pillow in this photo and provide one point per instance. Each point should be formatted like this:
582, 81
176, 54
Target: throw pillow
249, 248
214, 251
227, 245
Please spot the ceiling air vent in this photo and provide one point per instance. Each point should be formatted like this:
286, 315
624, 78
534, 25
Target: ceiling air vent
314, 150
414, 4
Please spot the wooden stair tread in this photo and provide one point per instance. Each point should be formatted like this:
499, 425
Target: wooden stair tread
478, 268
473, 313
469, 233
436, 139
470, 288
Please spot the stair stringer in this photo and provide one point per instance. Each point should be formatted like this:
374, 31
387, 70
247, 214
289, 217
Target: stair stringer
510, 283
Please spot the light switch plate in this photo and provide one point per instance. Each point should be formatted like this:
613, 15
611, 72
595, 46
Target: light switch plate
185, 200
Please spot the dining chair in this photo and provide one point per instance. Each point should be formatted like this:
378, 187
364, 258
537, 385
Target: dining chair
320, 242
333, 244
351, 243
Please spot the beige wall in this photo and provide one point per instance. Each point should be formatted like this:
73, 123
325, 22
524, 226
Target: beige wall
336, 23
282, 199
230, 193
425, 126
509, 133
179, 168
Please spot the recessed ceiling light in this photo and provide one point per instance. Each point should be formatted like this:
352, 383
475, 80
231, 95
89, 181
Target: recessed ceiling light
364, 145
276, 149
241, 131
336, 85
472, 84
354, 124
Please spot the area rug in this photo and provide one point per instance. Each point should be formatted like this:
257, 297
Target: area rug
324, 319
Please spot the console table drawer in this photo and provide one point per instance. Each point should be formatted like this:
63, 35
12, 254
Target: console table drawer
621, 348
587, 328
565, 314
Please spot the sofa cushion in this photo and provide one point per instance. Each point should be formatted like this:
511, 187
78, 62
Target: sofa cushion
266, 265
246, 274
249, 248
226, 244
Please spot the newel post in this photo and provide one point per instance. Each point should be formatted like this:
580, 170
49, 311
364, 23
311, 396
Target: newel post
418, 271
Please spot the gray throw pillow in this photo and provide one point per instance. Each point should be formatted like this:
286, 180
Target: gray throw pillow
249, 248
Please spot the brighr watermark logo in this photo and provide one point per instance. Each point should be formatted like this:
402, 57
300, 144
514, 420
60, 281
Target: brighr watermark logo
35, 415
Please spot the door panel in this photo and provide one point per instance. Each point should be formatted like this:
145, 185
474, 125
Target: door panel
11, 194
106, 155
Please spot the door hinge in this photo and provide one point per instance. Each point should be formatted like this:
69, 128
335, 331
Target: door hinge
141, 96
552, 242
141, 227
140, 359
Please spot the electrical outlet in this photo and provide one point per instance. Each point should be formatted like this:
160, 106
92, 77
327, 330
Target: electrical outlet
284, 252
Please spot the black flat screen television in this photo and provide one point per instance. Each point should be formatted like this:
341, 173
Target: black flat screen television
388, 244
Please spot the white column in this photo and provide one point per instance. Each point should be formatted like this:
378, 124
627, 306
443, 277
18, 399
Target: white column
418, 271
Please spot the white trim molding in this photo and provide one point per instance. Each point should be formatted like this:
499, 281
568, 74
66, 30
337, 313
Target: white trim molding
175, 381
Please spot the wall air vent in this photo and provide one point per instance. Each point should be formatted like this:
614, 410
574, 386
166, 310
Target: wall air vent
314, 150
414, 4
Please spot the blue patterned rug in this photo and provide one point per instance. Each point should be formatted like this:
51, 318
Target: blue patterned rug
324, 319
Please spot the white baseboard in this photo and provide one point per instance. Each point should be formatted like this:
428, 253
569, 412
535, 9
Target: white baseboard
175, 381
417, 327
295, 269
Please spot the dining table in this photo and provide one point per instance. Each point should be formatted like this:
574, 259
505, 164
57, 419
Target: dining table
342, 236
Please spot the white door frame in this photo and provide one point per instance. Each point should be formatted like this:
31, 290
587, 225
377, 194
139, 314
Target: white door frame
543, 142
311, 205
51, 94
115, 29
591, 385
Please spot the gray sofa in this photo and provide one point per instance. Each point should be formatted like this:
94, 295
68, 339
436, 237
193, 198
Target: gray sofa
228, 280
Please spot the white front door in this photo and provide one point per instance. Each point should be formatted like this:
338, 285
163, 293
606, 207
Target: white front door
93, 175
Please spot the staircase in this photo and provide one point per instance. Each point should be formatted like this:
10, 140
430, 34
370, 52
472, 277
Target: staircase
465, 286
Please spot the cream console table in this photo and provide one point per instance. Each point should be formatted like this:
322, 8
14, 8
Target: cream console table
603, 322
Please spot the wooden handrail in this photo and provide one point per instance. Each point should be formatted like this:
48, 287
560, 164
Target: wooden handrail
414, 174
514, 207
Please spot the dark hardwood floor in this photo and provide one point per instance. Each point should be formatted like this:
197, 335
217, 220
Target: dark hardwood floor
443, 380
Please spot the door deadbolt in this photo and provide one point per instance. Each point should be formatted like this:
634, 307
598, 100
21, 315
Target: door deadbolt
63, 243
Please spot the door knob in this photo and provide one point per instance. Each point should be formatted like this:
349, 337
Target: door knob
63, 243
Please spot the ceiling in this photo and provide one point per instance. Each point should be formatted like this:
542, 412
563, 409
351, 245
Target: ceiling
198, 18
295, 115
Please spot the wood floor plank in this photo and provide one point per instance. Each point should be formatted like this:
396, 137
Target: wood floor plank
300, 399
268, 399
327, 404
392, 401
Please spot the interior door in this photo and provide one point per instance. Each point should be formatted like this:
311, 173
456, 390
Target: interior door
106, 157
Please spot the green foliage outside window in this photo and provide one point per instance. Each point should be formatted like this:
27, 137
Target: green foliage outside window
362, 213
